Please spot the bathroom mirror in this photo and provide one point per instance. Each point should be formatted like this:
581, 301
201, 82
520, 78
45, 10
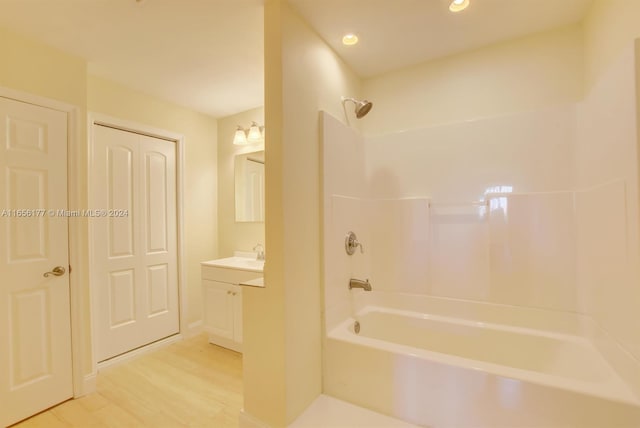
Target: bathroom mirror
249, 183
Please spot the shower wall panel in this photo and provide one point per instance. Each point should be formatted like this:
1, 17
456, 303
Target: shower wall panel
459, 252
500, 222
343, 182
532, 251
461, 162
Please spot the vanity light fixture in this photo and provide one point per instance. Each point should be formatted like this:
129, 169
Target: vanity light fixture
240, 138
458, 5
253, 135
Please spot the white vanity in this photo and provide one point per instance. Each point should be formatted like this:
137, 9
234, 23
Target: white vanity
222, 292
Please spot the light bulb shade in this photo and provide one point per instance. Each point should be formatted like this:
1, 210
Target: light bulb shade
254, 136
240, 138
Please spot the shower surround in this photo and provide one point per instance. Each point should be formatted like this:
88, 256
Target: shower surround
480, 210
478, 217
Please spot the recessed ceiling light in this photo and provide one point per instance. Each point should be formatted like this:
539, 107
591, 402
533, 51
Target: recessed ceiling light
349, 39
458, 5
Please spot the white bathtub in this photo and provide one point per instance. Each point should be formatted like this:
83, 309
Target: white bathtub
480, 365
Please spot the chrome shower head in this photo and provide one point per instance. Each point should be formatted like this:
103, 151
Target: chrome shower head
362, 106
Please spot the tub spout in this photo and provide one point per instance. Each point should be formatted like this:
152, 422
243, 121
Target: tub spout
358, 283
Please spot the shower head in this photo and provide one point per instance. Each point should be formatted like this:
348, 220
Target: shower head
362, 106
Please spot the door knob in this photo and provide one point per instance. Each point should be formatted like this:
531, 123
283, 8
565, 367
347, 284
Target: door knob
57, 271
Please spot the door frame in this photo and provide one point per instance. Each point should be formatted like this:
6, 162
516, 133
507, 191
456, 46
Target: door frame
178, 139
83, 375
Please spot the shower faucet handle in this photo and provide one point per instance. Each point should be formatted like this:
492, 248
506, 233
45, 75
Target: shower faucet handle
351, 243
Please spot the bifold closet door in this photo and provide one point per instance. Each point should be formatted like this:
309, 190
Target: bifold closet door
134, 241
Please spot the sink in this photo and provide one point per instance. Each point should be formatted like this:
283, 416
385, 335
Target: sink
236, 262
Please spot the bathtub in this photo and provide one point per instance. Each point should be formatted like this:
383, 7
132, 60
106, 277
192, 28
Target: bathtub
446, 363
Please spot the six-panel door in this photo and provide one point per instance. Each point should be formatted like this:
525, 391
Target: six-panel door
35, 330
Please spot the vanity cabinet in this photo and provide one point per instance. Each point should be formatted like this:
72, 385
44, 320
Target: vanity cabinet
223, 303
223, 313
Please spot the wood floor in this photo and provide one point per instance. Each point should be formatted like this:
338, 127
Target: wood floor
186, 384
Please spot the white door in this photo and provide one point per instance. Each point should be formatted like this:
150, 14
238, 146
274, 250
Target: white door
35, 327
134, 242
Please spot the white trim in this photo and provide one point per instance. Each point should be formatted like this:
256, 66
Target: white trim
81, 336
182, 260
80, 340
179, 140
128, 356
138, 128
37, 100
245, 420
92, 300
90, 383
194, 329
225, 343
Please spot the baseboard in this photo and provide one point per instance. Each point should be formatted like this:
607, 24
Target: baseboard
84, 385
140, 351
194, 329
225, 343
245, 420
90, 383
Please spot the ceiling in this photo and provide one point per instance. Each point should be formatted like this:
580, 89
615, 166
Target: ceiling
203, 54
398, 33
207, 55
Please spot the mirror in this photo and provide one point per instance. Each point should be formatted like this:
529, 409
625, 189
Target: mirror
249, 178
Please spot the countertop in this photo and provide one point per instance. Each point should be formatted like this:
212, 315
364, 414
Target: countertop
238, 263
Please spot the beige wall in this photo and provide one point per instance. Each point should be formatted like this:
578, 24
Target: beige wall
607, 158
37, 69
232, 235
518, 75
31, 67
609, 28
303, 75
263, 359
315, 84
200, 164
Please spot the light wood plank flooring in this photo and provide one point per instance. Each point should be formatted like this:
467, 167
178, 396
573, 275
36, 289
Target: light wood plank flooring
186, 384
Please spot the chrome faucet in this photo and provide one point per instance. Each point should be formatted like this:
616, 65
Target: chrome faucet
358, 283
260, 250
